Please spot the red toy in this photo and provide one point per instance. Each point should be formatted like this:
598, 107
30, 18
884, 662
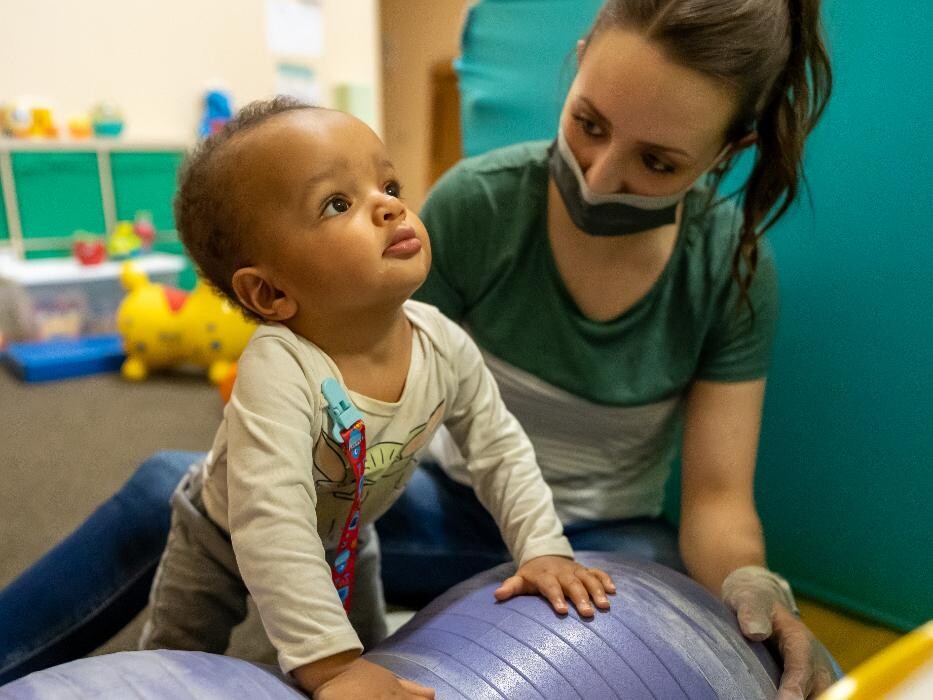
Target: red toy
89, 250
145, 229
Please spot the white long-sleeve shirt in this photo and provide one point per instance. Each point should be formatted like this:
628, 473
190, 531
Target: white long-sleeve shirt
278, 483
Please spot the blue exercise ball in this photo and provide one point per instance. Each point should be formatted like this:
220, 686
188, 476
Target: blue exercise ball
665, 637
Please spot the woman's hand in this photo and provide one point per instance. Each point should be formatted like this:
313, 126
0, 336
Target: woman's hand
557, 577
808, 670
765, 608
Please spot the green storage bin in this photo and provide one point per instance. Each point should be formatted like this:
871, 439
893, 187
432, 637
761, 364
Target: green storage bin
145, 181
58, 193
4, 229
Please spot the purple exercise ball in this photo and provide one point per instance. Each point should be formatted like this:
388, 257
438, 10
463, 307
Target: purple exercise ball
665, 637
154, 675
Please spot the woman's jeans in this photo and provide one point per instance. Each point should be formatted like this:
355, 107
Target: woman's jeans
97, 580
438, 534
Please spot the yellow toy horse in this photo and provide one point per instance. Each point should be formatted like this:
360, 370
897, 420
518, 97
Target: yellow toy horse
163, 327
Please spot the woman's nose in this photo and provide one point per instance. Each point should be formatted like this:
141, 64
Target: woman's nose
604, 175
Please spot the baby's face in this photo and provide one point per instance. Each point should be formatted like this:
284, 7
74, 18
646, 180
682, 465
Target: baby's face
336, 235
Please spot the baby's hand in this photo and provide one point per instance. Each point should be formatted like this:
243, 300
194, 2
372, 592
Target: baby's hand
352, 678
554, 577
365, 680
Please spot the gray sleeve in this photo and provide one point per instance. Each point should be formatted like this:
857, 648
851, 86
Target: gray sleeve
739, 344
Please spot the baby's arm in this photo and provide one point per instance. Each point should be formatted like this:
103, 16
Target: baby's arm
271, 419
508, 482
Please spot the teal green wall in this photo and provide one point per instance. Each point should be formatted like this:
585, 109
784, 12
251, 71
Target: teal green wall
845, 478
518, 60
846, 464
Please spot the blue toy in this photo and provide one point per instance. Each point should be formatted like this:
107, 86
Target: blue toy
217, 112
63, 358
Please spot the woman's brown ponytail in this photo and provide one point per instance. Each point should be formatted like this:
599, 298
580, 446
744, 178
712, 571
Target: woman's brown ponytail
794, 105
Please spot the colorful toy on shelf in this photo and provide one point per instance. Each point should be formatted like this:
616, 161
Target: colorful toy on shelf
144, 229
107, 120
163, 327
89, 249
28, 119
217, 112
43, 126
80, 127
16, 118
123, 242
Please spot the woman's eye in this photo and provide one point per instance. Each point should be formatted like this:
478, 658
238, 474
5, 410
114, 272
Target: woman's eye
393, 189
588, 126
656, 165
336, 206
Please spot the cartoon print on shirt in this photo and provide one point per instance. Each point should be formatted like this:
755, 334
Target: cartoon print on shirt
384, 460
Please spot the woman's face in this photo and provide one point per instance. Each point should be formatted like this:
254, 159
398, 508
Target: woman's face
638, 123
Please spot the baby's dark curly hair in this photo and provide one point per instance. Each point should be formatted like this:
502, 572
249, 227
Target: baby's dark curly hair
209, 222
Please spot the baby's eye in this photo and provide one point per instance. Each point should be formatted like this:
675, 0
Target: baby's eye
588, 126
393, 189
655, 164
335, 207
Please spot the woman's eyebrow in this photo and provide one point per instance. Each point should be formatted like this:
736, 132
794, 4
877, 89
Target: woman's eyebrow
668, 149
590, 106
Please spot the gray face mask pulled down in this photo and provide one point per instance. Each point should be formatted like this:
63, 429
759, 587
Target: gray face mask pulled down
605, 214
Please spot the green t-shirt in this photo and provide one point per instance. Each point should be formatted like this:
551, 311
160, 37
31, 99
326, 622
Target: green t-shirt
494, 272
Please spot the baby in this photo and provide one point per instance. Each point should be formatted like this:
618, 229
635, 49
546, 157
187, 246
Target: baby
295, 213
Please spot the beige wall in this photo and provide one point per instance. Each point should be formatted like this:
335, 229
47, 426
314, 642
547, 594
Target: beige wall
416, 35
155, 58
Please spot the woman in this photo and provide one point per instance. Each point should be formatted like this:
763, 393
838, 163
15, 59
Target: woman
626, 310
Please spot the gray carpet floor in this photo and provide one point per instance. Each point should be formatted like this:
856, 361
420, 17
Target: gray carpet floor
66, 446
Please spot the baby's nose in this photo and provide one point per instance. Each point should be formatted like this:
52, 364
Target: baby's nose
388, 210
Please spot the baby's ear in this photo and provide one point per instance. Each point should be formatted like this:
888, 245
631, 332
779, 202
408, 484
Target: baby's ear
256, 292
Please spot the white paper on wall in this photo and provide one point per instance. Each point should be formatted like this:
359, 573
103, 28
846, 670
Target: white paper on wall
294, 27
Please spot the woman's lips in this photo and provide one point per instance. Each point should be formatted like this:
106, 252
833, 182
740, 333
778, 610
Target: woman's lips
404, 244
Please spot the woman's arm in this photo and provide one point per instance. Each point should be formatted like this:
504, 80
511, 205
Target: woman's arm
720, 531
719, 528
